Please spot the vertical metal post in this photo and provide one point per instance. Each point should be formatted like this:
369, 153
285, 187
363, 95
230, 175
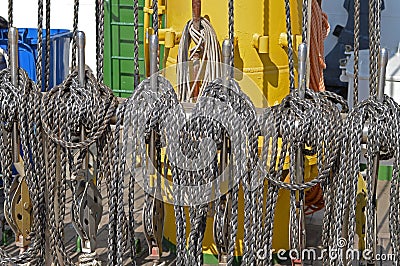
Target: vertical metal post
383, 60
299, 170
226, 54
153, 47
81, 43
13, 39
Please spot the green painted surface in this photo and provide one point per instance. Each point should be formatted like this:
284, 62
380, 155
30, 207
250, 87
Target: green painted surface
384, 174
119, 44
209, 259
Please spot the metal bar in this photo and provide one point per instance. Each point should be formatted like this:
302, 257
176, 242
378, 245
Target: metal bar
81, 57
383, 60
302, 69
126, 24
153, 47
13, 39
117, 57
302, 80
226, 54
81, 78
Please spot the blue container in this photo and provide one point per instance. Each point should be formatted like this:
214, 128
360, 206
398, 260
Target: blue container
27, 45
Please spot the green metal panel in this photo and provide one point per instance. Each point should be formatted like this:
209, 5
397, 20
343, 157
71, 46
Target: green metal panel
119, 32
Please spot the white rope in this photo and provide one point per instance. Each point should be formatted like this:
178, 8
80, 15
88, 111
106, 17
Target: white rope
210, 68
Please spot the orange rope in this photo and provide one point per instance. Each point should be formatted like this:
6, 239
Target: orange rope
319, 31
314, 200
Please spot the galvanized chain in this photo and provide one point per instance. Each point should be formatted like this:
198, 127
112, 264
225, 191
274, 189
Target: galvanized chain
290, 45
100, 40
75, 30
17, 102
356, 49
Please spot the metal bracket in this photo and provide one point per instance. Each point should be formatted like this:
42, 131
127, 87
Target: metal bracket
21, 210
261, 43
157, 219
283, 40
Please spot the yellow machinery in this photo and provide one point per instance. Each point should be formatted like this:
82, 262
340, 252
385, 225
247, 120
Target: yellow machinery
261, 56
